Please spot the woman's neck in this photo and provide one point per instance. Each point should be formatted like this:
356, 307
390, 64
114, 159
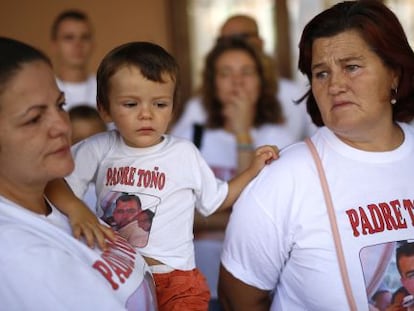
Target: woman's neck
384, 139
29, 199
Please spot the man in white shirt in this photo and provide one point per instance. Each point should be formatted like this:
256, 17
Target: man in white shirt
72, 47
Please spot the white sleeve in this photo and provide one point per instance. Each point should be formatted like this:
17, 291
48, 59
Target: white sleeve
87, 155
43, 277
210, 191
257, 240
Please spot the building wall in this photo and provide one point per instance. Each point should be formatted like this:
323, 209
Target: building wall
115, 22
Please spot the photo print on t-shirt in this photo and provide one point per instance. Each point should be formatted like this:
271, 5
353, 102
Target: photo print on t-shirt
131, 214
388, 270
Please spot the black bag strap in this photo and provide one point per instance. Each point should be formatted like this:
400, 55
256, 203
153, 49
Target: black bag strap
197, 134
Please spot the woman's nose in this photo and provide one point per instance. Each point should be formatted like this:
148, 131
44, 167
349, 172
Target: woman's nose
337, 83
60, 123
237, 79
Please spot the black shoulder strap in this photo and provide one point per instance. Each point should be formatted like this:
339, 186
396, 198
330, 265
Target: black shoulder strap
197, 134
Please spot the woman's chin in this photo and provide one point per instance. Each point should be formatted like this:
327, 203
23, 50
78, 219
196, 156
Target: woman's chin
64, 169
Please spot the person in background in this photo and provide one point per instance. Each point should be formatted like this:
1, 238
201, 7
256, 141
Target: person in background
137, 89
245, 28
283, 256
86, 121
43, 267
72, 46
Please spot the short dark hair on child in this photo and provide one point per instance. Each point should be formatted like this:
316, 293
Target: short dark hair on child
151, 59
68, 14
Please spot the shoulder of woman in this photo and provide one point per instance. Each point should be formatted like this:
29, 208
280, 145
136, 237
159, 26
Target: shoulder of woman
293, 159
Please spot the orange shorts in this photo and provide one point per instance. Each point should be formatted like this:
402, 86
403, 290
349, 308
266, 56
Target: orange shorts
181, 290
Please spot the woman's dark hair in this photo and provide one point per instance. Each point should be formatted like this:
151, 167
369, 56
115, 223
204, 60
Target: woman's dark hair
268, 107
151, 59
13, 55
381, 30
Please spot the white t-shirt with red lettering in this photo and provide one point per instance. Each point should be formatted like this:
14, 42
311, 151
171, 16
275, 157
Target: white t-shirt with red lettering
279, 237
170, 179
43, 267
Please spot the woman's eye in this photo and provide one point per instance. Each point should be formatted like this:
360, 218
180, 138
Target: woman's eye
320, 74
249, 72
223, 73
33, 120
352, 68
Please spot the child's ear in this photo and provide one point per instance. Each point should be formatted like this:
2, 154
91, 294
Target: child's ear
105, 115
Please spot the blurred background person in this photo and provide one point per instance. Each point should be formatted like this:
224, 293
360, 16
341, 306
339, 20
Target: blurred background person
86, 121
245, 28
72, 46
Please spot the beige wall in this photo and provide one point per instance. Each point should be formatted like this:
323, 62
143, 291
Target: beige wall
115, 22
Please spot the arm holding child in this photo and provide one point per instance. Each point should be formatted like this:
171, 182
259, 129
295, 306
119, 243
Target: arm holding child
83, 221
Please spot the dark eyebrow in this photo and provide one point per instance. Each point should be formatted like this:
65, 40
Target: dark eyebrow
59, 98
316, 66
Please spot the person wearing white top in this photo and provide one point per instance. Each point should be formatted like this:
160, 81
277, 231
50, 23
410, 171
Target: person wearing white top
72, 47
286, 247
42, 265
297, 119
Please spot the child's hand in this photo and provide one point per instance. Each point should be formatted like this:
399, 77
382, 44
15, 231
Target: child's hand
270, 153
85, 223
264, 155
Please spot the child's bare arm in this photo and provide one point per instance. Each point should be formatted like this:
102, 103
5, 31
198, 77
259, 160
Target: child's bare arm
262, 156
83, 221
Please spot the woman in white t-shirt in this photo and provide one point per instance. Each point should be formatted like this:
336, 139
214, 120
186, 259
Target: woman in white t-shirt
280, 250
42, 266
